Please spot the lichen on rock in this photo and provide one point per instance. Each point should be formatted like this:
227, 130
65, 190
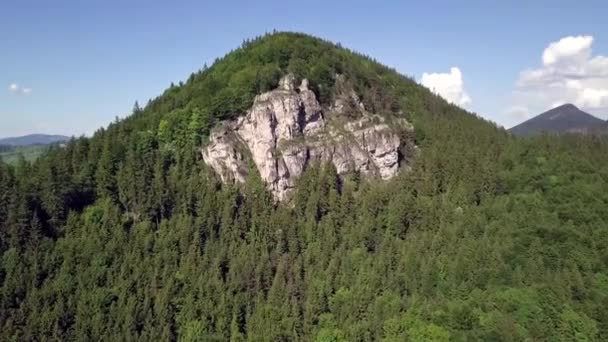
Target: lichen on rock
286, 130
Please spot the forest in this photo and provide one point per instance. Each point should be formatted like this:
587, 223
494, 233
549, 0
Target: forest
128, 236
12, 154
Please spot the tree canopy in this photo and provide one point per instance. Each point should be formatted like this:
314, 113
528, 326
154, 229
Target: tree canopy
128, 236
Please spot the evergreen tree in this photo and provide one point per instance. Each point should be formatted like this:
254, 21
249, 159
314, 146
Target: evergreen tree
128, 236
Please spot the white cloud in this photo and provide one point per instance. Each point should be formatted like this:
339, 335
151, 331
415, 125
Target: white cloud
449, 85
569, 73
568, 49
518, 112
593, 98
17, 89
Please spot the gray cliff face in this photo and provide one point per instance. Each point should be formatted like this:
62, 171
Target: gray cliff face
286, 130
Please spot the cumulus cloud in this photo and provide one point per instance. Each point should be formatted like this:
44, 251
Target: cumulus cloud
568, 49
569, 73
17, 89
450, 86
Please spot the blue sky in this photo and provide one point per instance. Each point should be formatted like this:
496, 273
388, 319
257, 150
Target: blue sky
69, 67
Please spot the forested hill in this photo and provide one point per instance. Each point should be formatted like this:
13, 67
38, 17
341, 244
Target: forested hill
33, 139
227, 88
129, 236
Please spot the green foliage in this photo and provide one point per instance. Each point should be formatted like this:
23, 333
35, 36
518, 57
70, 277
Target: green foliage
227, 89
11, 155
128, 236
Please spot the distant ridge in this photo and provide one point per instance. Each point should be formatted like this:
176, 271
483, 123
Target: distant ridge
33, 139
563, 119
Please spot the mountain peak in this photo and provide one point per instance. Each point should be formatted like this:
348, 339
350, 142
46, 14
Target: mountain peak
566, 118
567, 106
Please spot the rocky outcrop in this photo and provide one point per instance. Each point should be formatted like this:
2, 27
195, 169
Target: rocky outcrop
286, 130
225, 154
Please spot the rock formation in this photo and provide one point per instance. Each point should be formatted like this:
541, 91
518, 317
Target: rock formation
286, 130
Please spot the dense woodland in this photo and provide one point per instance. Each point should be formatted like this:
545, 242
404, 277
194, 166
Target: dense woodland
128, 236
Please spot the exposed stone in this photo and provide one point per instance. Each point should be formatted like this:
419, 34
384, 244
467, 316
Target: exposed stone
285, 130
223, 155
346, 98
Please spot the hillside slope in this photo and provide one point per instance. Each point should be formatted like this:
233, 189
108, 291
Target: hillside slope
563, 119
29, 147
130, 235
33, 139
12, 154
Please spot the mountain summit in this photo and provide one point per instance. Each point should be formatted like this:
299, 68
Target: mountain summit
566, 118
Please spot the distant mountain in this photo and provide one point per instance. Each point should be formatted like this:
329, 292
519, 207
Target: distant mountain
604, 128
33, 139
563, 119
